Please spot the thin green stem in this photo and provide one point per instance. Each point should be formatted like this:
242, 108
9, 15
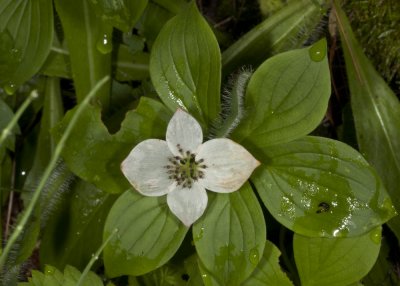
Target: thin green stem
57, 152
95, 257
11, 125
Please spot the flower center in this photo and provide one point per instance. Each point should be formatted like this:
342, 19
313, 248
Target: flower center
184, 169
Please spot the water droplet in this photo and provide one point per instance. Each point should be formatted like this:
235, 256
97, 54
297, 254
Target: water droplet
104, 44
23, 173
199, 235
254, 257
78, 233
288, 208
206, 279
376, 235
14, 51
95, 257
317, 51
49, 270
10, 88
34, 94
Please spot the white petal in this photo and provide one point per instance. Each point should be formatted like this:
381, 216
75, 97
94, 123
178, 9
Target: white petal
145, 168
184, 130
229, 165
188, 204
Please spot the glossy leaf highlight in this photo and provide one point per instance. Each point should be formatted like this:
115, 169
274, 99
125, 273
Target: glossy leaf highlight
376, 111
321, 187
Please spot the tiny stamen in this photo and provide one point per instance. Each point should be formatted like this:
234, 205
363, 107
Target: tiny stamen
185, 169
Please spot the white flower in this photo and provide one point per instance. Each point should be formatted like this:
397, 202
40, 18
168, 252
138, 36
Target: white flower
183, 168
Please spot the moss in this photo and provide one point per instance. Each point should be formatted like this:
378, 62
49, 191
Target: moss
376, 24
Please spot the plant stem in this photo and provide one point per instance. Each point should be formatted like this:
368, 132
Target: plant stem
95, 257
57, 152
233, 109
8, 130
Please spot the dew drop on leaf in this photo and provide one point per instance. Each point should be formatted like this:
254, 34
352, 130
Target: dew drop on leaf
10, 88
254, 257
104, 44
376, 235
317, 51
200, 234
206, 279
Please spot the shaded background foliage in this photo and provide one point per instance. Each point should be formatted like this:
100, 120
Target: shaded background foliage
376, 25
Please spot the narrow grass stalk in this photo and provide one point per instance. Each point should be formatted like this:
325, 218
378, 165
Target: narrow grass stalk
95, 257
57, 152
11, 125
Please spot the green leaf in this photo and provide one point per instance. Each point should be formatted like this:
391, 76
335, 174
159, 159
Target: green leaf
121, 14
95, 155
52, 113
185, 66
335, 261
286, 29
208, 278
167, 275
174, 6
58, 184
322, 187
127, 66
89, 53
230, 237
152, 21
131, 66
78, 219
268, 271
286, 98
26, 35
57, 64
376, 111
384, 272
148, 235
53, 277
192, 269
